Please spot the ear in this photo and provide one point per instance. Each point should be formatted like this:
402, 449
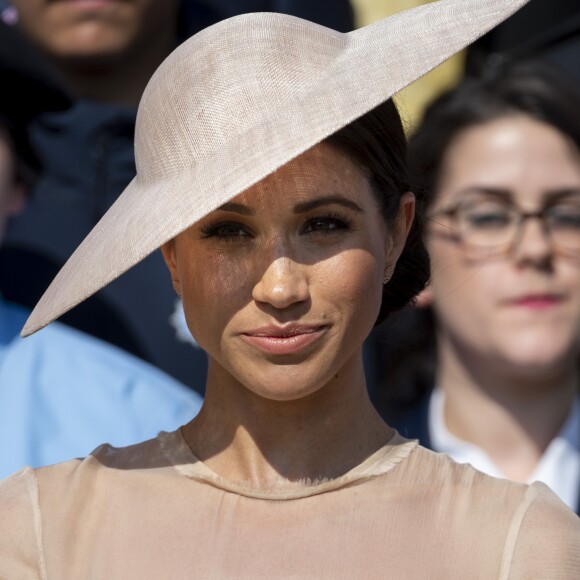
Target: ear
424, 298
403, 223
168, 253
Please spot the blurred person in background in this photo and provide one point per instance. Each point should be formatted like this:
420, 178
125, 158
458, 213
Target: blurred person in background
497, 161
106, 52
543, 29
63, 392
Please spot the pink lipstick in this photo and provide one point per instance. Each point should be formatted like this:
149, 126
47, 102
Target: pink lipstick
283, 340
537, 301
89, 5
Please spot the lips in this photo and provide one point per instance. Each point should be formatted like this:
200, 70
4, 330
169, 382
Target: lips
537, 301
85, 4
284, 340
83, 1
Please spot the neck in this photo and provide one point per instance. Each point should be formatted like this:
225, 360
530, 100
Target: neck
122, 80
512, 415
245, 437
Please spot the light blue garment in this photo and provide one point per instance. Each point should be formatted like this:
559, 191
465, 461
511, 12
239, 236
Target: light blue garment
63, 393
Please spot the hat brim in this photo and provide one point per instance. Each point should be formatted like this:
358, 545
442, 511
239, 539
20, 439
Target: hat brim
357, 71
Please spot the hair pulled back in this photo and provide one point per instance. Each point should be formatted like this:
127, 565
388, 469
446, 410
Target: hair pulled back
376, 142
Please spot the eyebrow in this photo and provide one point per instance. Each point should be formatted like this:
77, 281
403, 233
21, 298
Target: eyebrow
493, 191
327, 200
561, 193
303, 207
236, 208
507, 194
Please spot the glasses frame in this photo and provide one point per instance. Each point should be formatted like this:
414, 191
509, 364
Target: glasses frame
523, 216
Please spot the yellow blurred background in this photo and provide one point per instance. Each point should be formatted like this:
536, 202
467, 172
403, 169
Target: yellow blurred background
413, 99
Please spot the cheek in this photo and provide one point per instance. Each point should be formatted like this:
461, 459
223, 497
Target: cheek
352, 281
29, 12
447, 269
568, 273
463, 292
454, 277
44, 23
217, 285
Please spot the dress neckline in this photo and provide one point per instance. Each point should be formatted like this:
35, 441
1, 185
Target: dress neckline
182, 458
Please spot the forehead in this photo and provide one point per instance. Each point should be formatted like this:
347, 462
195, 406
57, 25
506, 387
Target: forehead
322, 170
520, 155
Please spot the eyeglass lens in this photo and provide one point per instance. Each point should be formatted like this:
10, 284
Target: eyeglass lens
492, 224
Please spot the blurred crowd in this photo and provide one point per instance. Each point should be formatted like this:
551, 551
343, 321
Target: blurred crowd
484, 366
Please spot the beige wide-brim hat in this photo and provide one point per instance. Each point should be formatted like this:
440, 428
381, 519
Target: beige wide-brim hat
239, 100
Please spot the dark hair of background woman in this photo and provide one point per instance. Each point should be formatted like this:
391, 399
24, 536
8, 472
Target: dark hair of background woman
377, 143
517, 88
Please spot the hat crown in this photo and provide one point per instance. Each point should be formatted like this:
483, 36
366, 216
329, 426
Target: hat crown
201, 97
238, 101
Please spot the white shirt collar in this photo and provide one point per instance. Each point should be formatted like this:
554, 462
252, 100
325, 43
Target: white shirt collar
559, 467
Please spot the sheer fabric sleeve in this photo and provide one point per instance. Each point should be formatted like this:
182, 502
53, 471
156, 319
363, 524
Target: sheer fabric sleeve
544, 541
20, 541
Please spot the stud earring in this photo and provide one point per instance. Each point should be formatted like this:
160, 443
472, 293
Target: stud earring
388, 274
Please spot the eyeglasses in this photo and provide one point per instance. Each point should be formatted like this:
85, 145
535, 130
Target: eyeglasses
495, 226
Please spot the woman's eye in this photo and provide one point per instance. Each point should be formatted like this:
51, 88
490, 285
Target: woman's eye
229, 231
565, 217
488, 219
326, 225
485, 216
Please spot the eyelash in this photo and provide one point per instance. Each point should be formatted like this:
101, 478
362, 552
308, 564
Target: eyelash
336, 220
213, 231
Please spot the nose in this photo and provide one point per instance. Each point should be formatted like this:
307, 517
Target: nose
282, 284
534, 244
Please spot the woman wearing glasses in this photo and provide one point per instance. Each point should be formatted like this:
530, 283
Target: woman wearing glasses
498, 160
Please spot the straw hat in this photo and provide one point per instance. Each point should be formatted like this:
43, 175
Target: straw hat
239, 100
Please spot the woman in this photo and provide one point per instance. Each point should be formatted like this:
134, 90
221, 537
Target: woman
281, 256
499, 161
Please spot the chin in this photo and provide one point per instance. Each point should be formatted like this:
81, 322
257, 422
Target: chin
540, 360
91, 50
286, 390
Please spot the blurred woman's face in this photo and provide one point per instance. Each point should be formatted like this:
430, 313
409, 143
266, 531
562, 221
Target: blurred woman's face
518, 307
93, 31
281, 285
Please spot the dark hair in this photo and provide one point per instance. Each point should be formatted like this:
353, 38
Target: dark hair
516, 88
377, 143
